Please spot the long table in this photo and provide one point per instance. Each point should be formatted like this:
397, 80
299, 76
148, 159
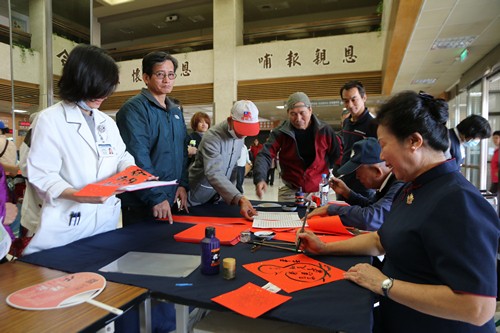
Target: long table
79, 318
340, 305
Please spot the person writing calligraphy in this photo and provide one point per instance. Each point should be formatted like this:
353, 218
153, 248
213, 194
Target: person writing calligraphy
440, 238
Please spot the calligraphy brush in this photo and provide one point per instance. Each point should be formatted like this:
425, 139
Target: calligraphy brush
278, 243
274, 246
303, 226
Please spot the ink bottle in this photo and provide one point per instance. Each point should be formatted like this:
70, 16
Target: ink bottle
299, 198
210, 252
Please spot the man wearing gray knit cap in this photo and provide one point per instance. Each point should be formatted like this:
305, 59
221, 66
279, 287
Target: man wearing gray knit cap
307, 148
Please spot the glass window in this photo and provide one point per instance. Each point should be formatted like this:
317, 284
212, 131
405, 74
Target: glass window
471, 166
493, 116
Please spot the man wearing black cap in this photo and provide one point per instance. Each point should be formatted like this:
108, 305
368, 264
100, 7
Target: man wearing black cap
373, 173
307, 148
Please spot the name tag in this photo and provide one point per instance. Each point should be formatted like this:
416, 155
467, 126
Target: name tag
105, 150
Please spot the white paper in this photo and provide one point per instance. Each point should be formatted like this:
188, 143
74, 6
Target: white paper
157, 264
273, 220
268, 205
148, 184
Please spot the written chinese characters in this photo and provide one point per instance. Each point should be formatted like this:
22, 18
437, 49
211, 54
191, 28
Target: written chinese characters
266, 60
185, 71
311, 59
350, 57
136, 75
292, 59
63, 56
320, 58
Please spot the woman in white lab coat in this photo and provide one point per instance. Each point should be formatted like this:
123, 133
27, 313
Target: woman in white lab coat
73, 145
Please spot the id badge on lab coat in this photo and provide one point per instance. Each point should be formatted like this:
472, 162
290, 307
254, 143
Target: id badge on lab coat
105, 149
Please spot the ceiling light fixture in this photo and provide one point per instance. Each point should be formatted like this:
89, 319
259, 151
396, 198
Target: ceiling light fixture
171, 18
160, 25
453, 43
424, 81
115, 2
126, 31
196, 18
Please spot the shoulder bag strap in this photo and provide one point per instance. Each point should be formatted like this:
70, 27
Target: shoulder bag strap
4, 148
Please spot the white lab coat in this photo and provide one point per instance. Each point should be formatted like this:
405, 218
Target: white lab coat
64, 155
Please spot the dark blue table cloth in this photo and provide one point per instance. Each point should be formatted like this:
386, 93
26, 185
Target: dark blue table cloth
340, 305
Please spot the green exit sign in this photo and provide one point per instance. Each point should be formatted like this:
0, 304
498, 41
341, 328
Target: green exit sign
464, 55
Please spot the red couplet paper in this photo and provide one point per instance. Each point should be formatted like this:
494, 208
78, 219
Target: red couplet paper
61, 292
291, 237
228, 235
295, 272
328, 224
250, 300
210, 220
105, 188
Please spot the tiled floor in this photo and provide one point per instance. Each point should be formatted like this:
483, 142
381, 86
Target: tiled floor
271, 193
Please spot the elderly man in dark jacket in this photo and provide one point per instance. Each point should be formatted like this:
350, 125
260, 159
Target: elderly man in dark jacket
307, 148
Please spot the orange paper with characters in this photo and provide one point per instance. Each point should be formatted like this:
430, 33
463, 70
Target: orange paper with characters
250, 300
133, 175
295, 272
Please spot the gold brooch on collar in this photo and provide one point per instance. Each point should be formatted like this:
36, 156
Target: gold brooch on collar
409, 199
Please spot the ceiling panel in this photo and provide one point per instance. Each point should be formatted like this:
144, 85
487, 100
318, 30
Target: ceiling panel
437, 18
432, 5
433, 18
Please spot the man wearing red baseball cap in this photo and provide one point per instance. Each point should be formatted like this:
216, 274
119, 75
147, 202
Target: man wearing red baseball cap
212, 177
245, 118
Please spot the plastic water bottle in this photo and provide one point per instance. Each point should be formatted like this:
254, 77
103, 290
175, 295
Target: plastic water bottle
210, 252
323, 189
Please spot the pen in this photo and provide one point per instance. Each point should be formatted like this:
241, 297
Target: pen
339, 177
106, 307
183, 284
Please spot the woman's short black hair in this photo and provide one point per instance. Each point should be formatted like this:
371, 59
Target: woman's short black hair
409, 112
89, 73
156, 57
475, 127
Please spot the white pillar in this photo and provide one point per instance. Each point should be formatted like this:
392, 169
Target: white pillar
40, 13
95, 28
228, 34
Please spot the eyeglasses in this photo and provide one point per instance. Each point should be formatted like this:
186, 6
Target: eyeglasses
162, 75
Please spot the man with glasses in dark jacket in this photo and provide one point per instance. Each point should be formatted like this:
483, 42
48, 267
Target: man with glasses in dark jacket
153, 128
